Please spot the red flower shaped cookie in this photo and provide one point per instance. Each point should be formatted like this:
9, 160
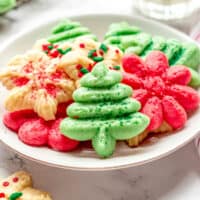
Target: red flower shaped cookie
161, 90
35, 131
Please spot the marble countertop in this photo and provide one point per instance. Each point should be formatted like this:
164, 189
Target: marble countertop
175, 177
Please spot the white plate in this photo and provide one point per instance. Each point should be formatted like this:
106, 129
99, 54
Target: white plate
153, 149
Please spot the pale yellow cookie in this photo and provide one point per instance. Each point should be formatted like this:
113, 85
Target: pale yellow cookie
39, 81
36, 82
136, 141
78, 56
19, 187
15, 183
33, 194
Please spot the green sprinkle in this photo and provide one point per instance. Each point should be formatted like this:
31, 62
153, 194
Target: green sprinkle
97, 58
90, 53
46, 51
61, 51
117, 67
50, 47
15, 196
103, 47
84, 70
67, 50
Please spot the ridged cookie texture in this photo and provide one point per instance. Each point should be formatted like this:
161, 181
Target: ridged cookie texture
103, 111
68, 30
132, 39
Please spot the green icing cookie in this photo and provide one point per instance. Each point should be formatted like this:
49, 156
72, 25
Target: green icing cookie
121, 29
106, 109
172, 50
140, 43
136, 43
195, 81
103, 111
158, 43
190, 56
118, 32
6, 5
68, 31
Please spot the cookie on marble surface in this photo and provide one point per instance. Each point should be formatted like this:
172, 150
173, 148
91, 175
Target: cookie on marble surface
19, 186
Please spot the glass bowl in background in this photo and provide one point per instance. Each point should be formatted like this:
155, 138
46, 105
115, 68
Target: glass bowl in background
195, 33
167, 9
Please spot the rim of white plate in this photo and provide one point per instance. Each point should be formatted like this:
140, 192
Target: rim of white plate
116, 165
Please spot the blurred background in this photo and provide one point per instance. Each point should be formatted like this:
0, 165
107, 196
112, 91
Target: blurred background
17, 15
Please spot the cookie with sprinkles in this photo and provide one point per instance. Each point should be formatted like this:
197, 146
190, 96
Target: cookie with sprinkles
85, 54
19, 186
103, 111
79, 56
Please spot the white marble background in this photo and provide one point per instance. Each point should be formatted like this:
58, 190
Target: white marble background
176, 177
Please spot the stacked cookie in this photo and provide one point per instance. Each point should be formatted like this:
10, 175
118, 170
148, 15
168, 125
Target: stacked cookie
71, 88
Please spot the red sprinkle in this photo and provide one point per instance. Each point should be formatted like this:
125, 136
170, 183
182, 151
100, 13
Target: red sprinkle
80, 74
15, 179
51, 89
82, 45
21, 81
90, 66
2, 195
28, 67
117, 51
55, 53
56, 75
78, 66
45, 47
6, 184
94, 54
101, 52
110, 67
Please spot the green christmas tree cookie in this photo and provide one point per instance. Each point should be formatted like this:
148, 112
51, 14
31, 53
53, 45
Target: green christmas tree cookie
131, 39
67, 30
103, 111
6, 5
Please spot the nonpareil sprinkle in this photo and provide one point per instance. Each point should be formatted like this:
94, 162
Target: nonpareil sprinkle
101, 52
94, 54
63, 52
103, 47
83, 70
82, 45
45, 47
91, 52
54, 53
97, 59
117, 67
15, 196
78, 66
80, 74
50, 47
117, 51
90, 66
2, 195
